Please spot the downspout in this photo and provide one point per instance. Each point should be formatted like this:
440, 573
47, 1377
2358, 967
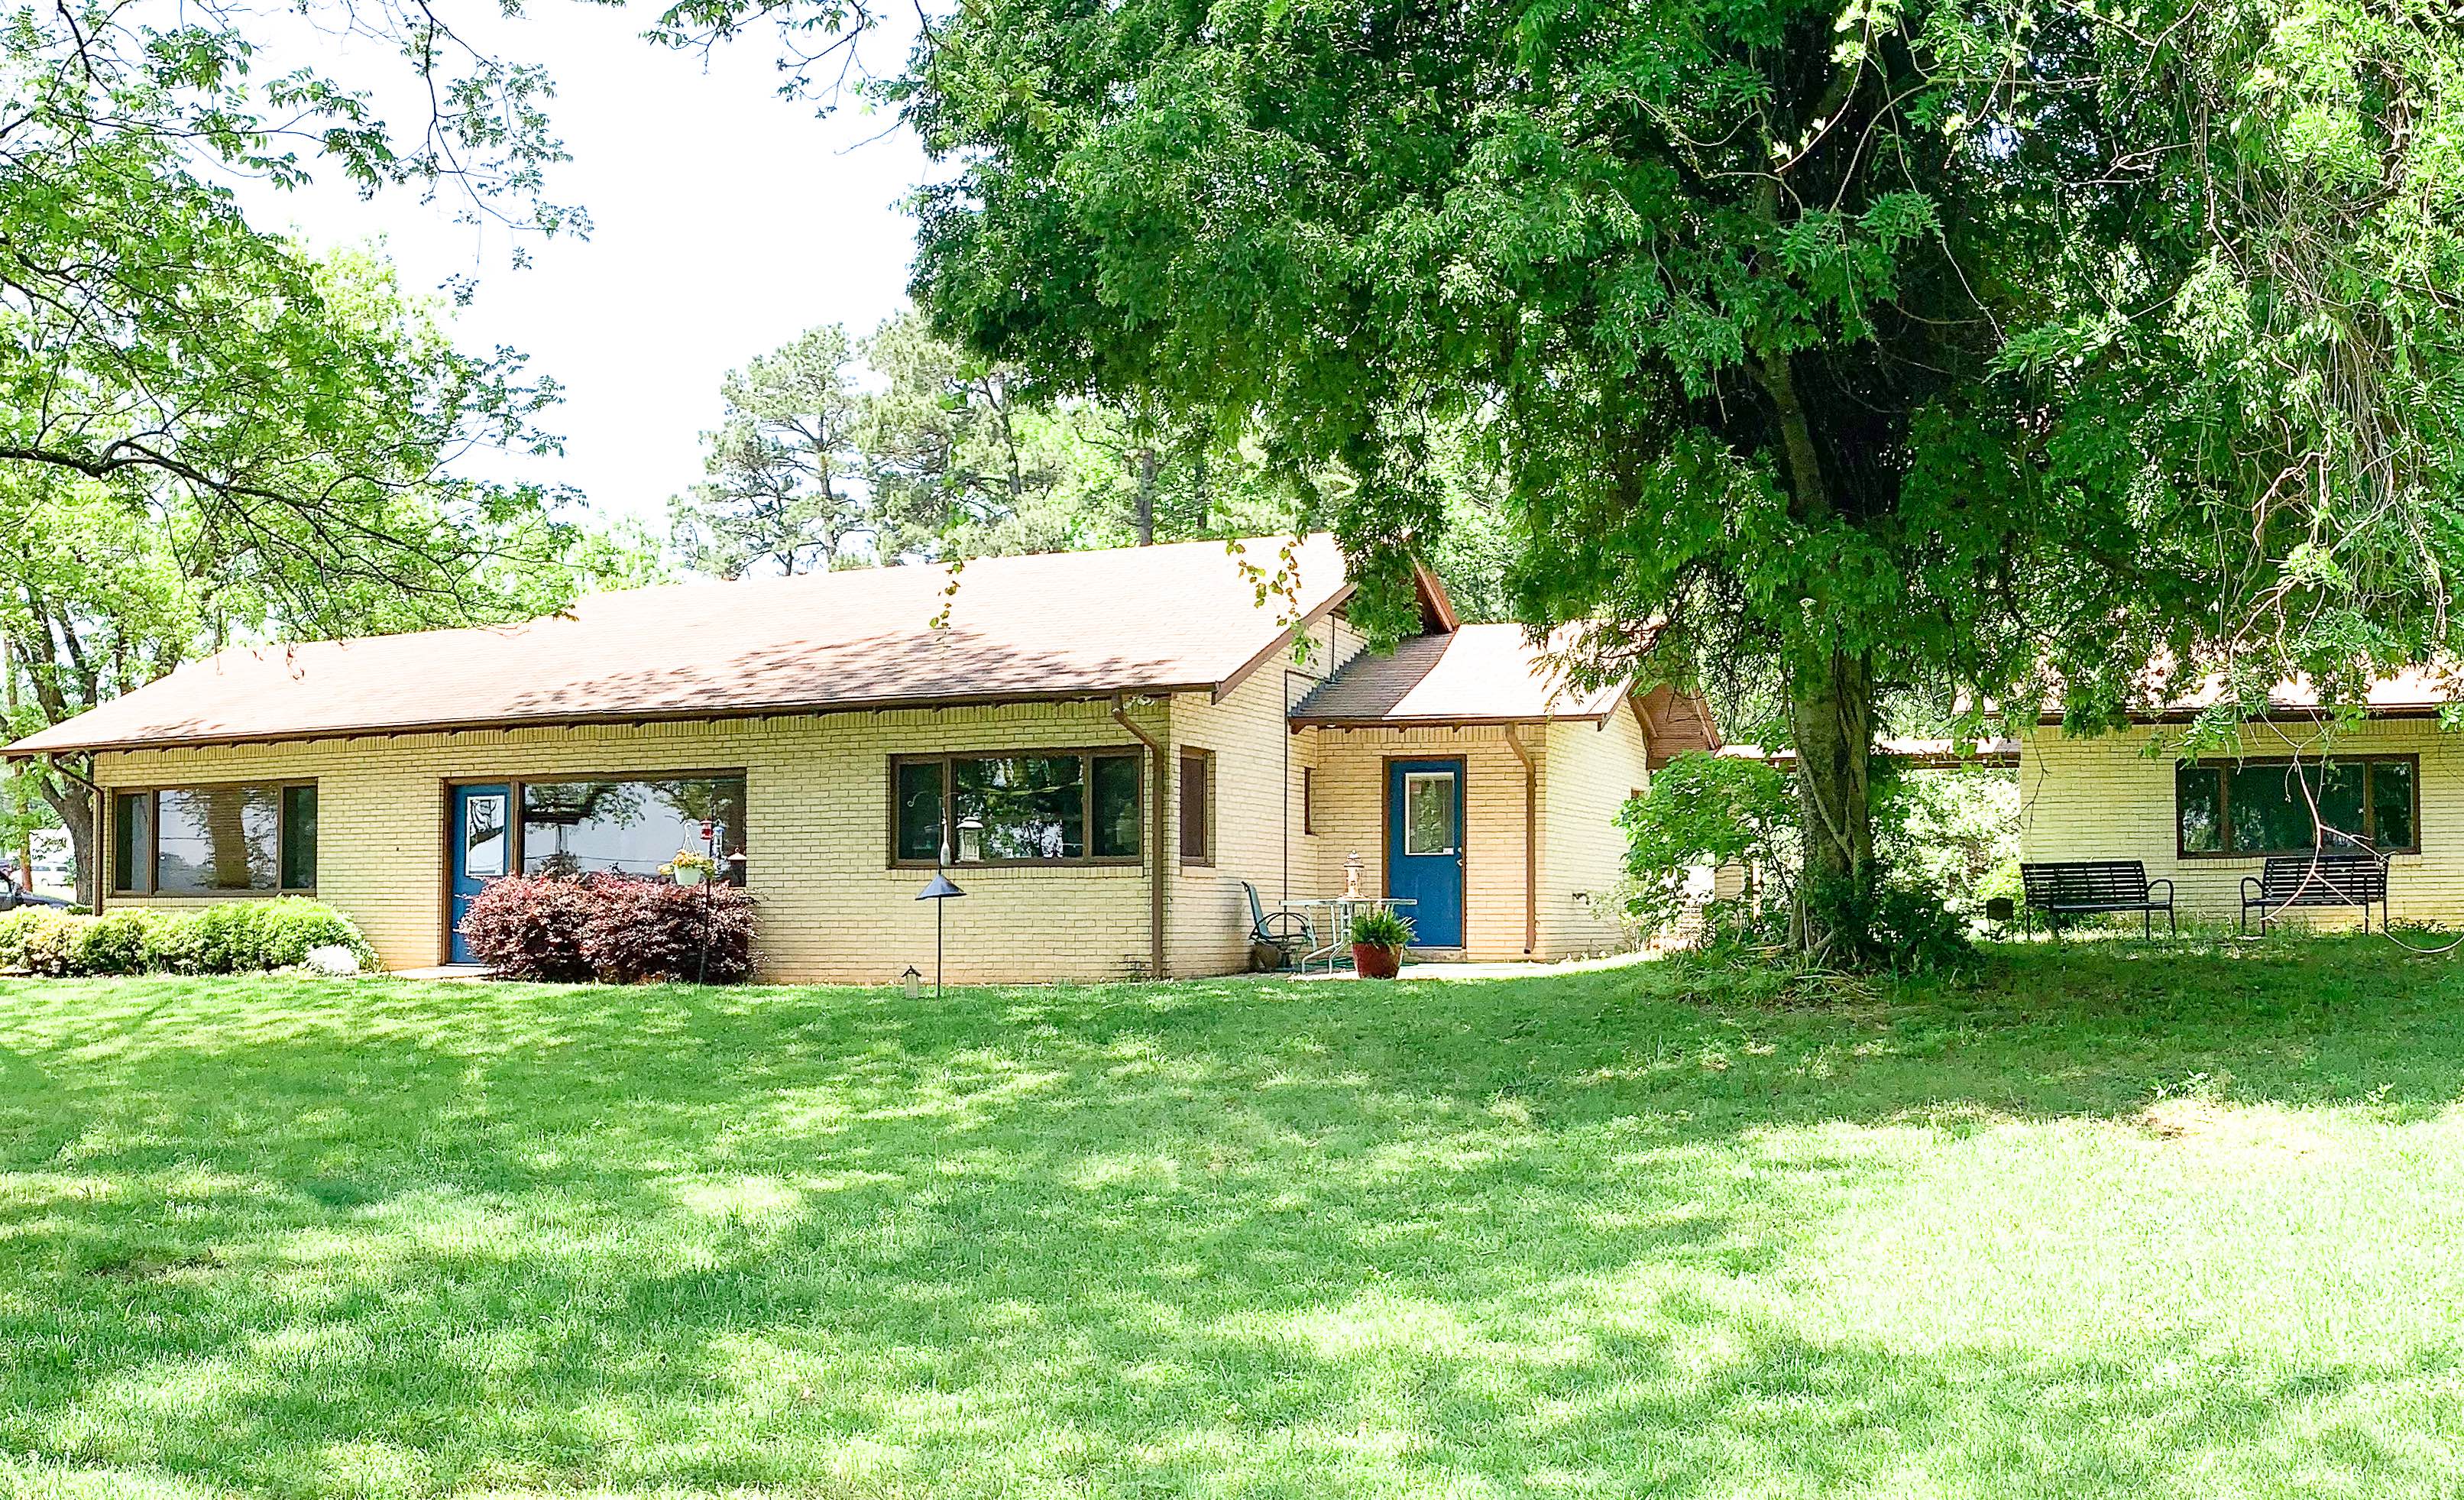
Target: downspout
1154, 870
1530, 840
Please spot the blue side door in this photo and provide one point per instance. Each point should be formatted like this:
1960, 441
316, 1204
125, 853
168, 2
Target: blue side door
483, 850
1424, 854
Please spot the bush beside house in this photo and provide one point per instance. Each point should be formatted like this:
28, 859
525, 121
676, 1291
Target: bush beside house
615, 929
234, 937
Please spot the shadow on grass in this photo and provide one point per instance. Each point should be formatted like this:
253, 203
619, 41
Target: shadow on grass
1239, 1237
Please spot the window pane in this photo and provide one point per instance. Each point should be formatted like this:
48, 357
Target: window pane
920, 809
1429, 812
299, 838
2270, 814
485, 835
2339, 799
1192, 807
217, 839
630, 827
131, 832
1116, 806
2197, 792
2391, 803
1023, 807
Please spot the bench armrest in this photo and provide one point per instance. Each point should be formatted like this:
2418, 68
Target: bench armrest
2161, 880
2247, 881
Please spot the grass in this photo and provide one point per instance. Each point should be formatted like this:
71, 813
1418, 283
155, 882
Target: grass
2104, 1221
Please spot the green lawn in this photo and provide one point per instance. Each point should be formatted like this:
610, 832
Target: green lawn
2108, 1221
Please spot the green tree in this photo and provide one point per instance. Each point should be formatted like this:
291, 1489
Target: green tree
1969, 349
785, 492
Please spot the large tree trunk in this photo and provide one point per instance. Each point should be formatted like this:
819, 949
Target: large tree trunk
1831, 706
1143, 518
74, 805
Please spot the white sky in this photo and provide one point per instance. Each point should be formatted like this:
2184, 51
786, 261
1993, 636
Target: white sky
725, 221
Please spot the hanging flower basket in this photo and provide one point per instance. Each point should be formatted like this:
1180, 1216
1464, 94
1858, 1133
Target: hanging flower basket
688, 868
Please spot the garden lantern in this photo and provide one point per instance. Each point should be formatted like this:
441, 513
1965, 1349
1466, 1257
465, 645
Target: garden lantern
941, 892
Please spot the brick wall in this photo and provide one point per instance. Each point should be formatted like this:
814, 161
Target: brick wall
2109, 797
817, 790
1592, 769
1259, 765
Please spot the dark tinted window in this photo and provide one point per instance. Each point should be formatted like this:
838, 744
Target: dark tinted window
1116, 806
919, 810
299, 838
1019, 806
132, 840
1194, 794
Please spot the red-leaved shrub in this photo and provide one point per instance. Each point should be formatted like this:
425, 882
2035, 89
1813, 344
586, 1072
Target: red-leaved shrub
655, 930
616, 929
530, 927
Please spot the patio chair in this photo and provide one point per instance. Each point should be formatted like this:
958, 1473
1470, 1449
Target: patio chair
1286, 935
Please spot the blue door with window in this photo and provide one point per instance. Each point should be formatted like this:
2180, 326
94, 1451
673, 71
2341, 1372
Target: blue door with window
1424, 856
483, 850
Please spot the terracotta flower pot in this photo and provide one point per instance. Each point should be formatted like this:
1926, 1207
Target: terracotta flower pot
1375, 961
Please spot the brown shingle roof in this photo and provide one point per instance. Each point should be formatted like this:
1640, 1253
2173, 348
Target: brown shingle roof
1479, 674
1060, 624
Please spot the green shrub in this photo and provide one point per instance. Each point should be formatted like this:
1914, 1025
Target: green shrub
230, 938
15, 927
113, 945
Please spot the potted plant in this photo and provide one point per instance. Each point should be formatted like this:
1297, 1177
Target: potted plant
1378, 939
688, 868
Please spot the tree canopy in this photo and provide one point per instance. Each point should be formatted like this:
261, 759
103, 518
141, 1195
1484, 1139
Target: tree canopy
1992, 350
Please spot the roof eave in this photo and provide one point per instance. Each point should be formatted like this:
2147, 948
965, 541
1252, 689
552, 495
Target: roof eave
1283, 642
1436, 720
23, 751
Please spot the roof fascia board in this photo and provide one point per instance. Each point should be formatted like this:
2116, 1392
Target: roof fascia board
1443, 721
1283, 642
601, 721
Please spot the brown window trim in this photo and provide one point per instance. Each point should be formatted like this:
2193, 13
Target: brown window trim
1309, 799
949, 806
1205, 759
152, 858
2229, 766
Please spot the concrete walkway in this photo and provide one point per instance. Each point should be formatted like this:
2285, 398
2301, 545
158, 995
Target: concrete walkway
1495, 971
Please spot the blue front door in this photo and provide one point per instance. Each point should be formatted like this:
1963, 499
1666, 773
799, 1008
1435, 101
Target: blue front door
1424, 855
483, 850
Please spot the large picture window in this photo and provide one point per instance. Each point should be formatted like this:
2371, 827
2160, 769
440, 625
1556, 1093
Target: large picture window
630, 827
1037, 808
2246, 808
250, 839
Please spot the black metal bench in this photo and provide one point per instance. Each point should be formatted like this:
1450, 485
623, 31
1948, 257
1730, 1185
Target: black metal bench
2066, 889
2345, 878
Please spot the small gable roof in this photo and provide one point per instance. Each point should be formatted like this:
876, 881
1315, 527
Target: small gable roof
1194, 616
1473, 674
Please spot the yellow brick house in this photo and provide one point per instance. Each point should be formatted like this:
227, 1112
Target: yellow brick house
2206, 820
1108, 746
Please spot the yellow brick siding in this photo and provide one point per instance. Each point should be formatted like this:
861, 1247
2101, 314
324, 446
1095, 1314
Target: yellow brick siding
1352, 789
1594, 768
1258, 769
817, 793
2106, 797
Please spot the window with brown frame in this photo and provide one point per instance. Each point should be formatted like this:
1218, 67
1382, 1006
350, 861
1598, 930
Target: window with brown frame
1308, 799
1031, 808
2248, 808
240, 839
1196, 807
